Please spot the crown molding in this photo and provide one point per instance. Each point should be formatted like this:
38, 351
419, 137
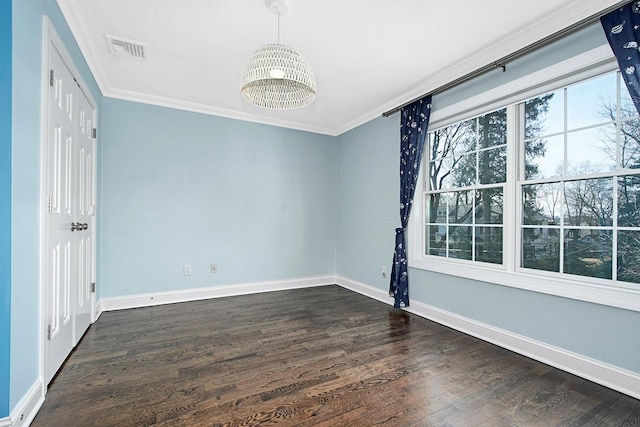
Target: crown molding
570, 13
194, 107
78, 27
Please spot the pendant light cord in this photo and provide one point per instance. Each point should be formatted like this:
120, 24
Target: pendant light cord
278, 25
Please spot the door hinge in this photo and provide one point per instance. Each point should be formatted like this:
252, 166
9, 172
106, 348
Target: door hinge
94, 133
93, 287
51, 78
50, 204
49, 331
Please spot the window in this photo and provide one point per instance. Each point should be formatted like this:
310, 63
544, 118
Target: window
467, 171
579, 184
543, 193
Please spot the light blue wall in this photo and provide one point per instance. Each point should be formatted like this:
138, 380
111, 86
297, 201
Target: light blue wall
368, 213
183, 188
367, 216
573, 44
5, 203
603, 333
27, 78
368, 200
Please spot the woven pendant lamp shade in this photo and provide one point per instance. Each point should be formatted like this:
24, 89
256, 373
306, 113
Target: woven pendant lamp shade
279, 78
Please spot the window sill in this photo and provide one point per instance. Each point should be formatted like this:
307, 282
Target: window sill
619, 297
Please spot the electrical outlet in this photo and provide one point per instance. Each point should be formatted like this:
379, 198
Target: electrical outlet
384, 271
186, 269
214, 268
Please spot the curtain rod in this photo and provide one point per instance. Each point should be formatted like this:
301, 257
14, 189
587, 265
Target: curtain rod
501, 63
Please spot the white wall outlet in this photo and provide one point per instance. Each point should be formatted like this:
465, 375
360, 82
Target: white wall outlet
214, 268
186, 269
384, 271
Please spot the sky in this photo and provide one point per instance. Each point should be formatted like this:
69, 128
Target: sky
585, 102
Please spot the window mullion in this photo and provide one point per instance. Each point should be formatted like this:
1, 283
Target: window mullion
614, 233
512, 204
475, 190
618, 122
563, 204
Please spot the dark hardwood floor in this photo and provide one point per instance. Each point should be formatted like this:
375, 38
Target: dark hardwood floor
310, 357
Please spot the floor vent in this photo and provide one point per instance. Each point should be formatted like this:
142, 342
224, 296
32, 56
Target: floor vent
128, 48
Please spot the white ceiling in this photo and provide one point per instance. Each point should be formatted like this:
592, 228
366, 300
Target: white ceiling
368, 55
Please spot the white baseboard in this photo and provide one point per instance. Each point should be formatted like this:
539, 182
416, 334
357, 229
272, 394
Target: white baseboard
599, 372
26, 410
158, 298
99, 311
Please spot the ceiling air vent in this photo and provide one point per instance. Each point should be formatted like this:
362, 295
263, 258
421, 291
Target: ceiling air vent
120, 46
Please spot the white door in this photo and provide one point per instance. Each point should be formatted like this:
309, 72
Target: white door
69, 225
85, 210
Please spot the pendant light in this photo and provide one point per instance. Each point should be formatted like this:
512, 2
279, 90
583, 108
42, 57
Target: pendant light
276, 76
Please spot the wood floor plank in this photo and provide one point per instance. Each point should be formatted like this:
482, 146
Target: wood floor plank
309, 358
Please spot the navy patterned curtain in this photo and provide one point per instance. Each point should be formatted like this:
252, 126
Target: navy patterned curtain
413, 131
621, 27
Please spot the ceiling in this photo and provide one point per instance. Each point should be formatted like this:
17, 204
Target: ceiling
368, 56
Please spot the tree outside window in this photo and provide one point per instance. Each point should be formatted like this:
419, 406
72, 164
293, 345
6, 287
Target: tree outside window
577, 178
580, 187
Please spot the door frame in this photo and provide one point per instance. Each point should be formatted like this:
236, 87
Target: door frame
51, 37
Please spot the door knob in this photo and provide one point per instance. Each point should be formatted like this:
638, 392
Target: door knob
75, 226
85, 226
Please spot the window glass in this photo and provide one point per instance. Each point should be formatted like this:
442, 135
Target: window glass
460, 207
541, 248
544, 158
589, 101
489, 244
542, 204
544, 115
437, 208
588, 202
489, 206
591, 151
628, 255
452, 172
492, 167
437, 240
460, 242
588, 253
630, 143
452, 141
469, 161
492, 129
629, 201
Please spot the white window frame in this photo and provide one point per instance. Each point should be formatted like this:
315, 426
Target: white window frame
477, 186
580, 67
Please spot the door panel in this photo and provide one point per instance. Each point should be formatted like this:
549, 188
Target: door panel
60, 264
70, 221
85, 211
